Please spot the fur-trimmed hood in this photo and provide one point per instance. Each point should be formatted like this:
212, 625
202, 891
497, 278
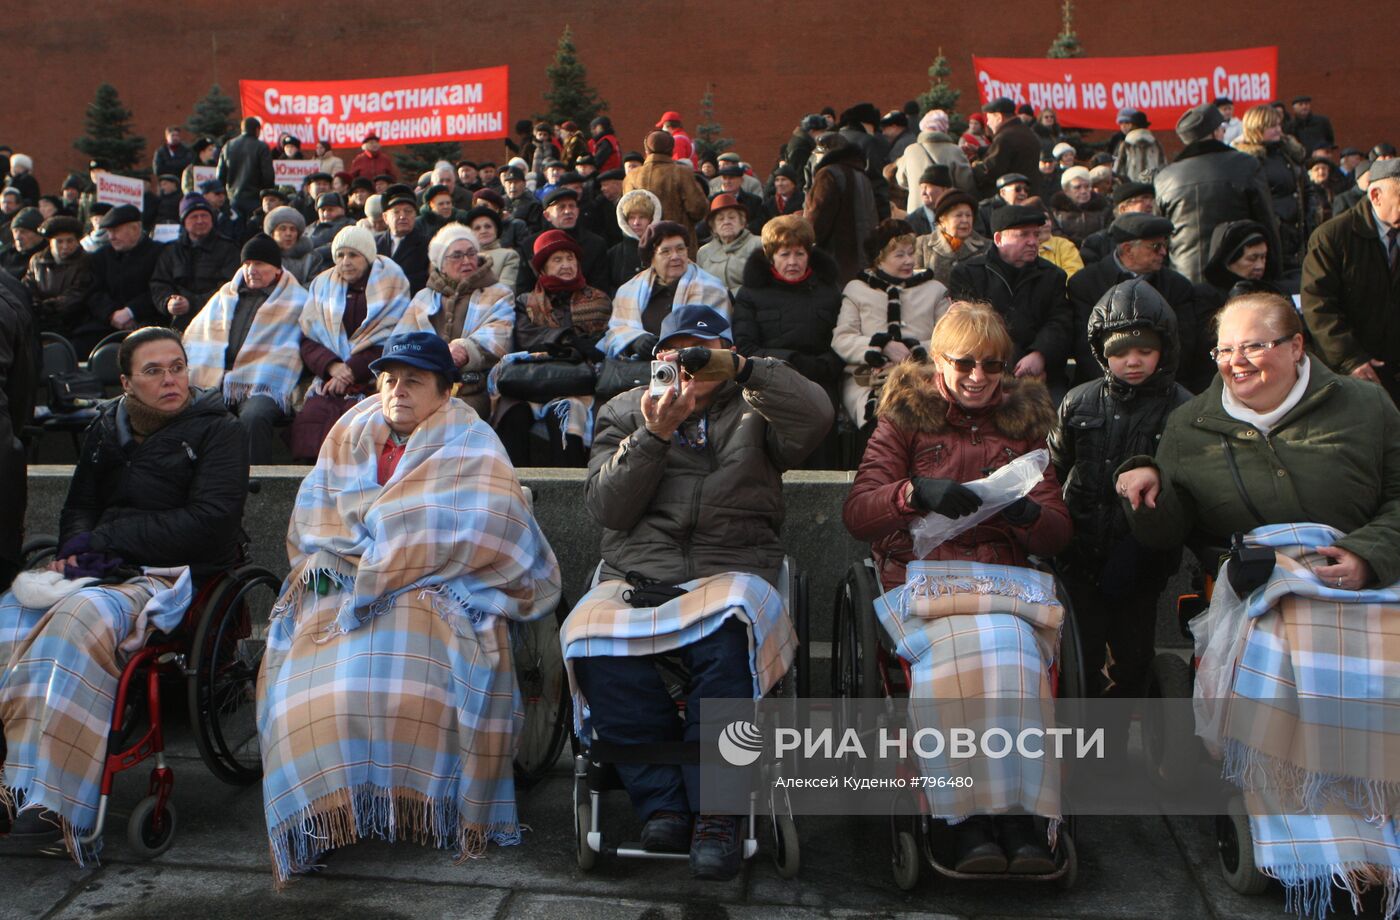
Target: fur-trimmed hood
627, 199
912, 401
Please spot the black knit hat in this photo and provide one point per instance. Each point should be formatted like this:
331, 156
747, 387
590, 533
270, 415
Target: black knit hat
887, 230
482, 210
938, 174
262, 248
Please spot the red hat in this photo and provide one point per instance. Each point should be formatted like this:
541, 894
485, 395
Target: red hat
669, 116
550, 242
569, 126
370, 137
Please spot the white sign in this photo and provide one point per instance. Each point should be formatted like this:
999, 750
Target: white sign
293, 172
114, 190
165, 233
203, 174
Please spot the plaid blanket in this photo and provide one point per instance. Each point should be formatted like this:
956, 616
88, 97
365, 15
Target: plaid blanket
602, 623
387, 705
59, 686
386, 300
985, 635
696, 287
269, 362
1309, 731
488, 327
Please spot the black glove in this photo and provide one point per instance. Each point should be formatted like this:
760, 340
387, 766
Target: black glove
1022, 512
875, 358
563, 350
948, 498
643, 346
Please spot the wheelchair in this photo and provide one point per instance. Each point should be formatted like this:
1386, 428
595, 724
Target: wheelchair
864, 665
595, 772
1169, 734
211, 659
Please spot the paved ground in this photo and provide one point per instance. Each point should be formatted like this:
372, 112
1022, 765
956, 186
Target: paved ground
218, 868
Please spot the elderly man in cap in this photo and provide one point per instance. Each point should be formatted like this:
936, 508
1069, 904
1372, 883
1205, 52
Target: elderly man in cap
1014, 148
269, 200
122, 270
1025, 289
894, 127
1313, 131
561, 212
1011, 188
1208, 184
682, 199
406, 242
25, 242
1128, 198
747, 182
194, 266
688, 489
1351, 284
246, 342
520, 203
331, 218
228, 220
245, 167
167, 200
1139, 251
372, 162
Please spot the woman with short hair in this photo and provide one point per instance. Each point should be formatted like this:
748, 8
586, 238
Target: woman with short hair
669, 282
953, 239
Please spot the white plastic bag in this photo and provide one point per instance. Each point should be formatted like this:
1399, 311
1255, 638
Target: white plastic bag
1004, 487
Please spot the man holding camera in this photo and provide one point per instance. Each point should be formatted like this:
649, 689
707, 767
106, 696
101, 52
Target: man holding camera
686, 479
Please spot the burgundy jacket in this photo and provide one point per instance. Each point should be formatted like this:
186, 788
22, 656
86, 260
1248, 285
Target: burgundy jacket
919, 433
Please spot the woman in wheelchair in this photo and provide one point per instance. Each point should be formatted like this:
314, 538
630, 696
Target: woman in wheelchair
688, 487
940, 425
387, 704
1306, 462
159, 486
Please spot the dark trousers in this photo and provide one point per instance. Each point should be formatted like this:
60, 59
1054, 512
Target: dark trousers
1118, 636
515, 429
629, 704
259, 416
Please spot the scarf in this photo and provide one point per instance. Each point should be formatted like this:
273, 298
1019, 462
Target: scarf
456, 297
954, 242
147, 420
796, 281
1265, 421
894, 288
386, 301
587, 308
269, 362
696, 287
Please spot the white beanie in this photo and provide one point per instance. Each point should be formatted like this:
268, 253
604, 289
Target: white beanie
1061, 149
21, 161
444, 238
374, 206
1074, 172
356, 238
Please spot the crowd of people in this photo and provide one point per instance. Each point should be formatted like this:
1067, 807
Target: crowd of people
1214, 327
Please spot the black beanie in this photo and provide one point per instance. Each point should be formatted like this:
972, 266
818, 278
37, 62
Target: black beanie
262, 248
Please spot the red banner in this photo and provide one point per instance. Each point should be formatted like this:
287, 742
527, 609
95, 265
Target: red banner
1089, 92
464, 105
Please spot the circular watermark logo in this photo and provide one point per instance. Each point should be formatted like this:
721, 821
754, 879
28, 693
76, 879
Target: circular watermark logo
740, 743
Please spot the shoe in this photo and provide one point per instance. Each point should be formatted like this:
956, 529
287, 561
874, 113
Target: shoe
666, 832
1027, 853
714, 847
36, 822
975, 843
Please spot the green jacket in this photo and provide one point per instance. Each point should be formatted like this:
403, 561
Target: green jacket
1335, 460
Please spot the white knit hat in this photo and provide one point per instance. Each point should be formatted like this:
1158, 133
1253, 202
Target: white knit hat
444, 238
356, 238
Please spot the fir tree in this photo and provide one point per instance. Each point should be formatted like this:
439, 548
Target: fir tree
709, 134
417, 159
109, 137
569, 96
941, 95
213, 116
1066, 44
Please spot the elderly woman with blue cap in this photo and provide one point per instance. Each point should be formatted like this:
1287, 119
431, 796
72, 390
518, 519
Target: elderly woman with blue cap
387, 704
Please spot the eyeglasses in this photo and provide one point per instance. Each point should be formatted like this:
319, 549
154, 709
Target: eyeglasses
966, 365
455, 257
1160, 247
154, 373
1250, 350
670, 251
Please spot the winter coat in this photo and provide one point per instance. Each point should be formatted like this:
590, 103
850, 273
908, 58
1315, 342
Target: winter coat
303, 261
875, 152
1015, 149
793, 204
1062, 254
933, 252
676, 512
20, 360
194, 271
245, 169
1209, 184
606, 151
1350, 297
168, 162
1031, 300
411, 256
528, 209
933, 148
870, 317
123, 279
1334, 459
568, 330
367, 165
1312, 131
1087, 287
505, 263
794, 322
175, 498
922, 434
60, 291
675, 187
799, 150
1139, 157
1282, 163
726, 261
1077, 221
1104, 422
841, 209
332, 165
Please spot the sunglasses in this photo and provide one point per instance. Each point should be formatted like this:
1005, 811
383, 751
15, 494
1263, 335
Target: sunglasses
966, 365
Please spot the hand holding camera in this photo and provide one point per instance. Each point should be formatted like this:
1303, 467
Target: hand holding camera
665, 411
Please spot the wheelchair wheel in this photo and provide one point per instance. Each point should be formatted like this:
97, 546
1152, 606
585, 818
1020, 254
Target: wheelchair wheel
226, 655
1235, 843
544, 692
906, 861
1073, 681
149, 833
787, 851
1168, 729
583, 820
855, 672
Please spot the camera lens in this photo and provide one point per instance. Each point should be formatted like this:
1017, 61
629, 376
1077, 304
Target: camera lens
664, 373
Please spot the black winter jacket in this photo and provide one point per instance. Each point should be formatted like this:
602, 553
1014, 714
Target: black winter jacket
773, 319
1103, 423
1031, 300
176, 498
194, 271
19, 378
245, 169
123, 279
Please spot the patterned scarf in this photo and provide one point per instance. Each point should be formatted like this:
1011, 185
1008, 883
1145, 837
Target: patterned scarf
386, 300
269, 362
695, 287
484, 319
588, 307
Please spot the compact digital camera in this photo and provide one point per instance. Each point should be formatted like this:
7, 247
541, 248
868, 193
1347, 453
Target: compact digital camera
665, 375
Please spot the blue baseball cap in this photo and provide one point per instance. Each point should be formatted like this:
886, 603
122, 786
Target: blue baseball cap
425, 350
695, 319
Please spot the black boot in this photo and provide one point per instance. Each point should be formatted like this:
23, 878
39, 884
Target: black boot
1027, 852
976, 847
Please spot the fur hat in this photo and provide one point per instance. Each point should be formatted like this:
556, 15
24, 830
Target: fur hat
660, 142
356, 238
883, 233
284, 215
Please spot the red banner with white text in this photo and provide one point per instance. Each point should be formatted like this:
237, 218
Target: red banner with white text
1089, 92
463, 105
